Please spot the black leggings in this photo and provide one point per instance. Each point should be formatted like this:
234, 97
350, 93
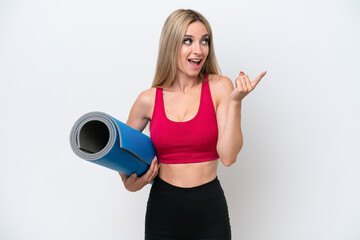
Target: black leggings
196, 213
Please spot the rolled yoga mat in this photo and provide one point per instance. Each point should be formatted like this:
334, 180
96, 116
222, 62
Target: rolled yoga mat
99, 138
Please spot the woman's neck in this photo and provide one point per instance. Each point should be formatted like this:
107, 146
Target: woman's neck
184, 83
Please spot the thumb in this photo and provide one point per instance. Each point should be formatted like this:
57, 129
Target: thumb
132, 177
241, 73
257, 80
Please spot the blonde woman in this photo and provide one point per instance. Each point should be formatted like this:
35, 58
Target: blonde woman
195, 121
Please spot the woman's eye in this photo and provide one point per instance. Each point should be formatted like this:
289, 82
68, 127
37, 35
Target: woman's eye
187, 41
205, 41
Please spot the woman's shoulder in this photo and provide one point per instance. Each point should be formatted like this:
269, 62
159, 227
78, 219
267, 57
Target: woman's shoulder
147, 93
219, 83
143, 106
147, 97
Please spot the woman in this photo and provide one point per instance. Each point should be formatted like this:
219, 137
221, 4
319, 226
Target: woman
195, 119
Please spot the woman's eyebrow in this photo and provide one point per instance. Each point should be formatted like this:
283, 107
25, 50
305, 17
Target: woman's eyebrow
205, 35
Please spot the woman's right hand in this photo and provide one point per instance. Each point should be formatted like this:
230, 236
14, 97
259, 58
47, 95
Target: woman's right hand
134, 183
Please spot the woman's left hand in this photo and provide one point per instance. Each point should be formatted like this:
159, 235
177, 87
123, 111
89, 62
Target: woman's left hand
243, 86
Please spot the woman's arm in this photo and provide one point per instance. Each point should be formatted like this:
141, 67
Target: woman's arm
139, 116
228, 114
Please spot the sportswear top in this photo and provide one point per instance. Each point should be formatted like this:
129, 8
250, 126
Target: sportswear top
190, 141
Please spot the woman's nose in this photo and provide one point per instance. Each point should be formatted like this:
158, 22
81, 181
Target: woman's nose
197, 48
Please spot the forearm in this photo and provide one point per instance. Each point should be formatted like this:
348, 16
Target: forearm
231, 140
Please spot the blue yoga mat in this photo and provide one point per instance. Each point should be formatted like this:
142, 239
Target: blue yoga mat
100, 138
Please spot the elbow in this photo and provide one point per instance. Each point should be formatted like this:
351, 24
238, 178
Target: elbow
228, 162
228, 159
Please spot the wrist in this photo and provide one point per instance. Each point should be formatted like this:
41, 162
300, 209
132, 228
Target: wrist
236, 104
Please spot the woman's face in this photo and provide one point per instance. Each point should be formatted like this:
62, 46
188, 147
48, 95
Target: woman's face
194, 50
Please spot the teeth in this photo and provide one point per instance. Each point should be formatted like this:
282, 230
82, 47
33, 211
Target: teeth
195, 60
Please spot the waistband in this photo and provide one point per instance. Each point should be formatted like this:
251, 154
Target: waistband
206, 186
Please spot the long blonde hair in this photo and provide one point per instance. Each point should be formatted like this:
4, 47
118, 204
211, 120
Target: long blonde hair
171, 39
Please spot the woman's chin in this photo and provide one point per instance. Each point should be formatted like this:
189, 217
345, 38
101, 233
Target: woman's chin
193, 73
190, 73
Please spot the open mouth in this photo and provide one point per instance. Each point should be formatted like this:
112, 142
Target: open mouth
195, 61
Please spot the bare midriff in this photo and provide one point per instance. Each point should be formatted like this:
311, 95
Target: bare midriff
188, 174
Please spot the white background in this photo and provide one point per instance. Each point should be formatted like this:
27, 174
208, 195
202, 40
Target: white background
297, 176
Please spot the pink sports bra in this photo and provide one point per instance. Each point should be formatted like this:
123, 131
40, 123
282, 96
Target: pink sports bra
191, 141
